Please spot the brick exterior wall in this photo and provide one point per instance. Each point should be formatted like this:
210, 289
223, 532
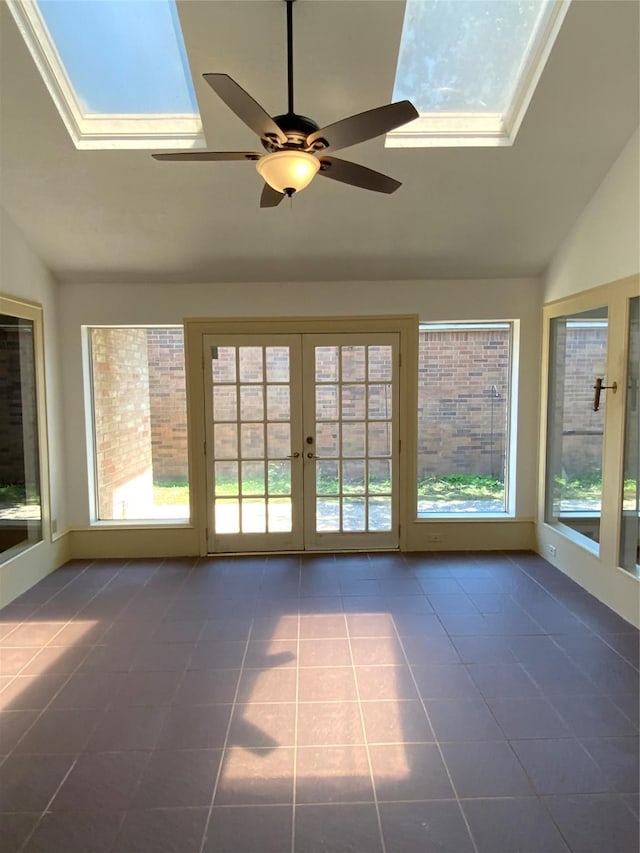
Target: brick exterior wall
122, 419
167, 404
585, 358
463, 391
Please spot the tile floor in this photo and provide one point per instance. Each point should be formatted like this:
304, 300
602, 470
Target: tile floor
380, 703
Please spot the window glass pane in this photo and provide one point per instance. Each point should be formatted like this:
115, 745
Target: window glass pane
20, 502
630, 528
575, 432
353, 364
251, 403
463, 417
140, 423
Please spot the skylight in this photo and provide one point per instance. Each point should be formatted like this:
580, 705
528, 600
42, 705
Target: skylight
117, 71
471, 67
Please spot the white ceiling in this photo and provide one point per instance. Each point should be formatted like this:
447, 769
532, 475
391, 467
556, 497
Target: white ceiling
461, 213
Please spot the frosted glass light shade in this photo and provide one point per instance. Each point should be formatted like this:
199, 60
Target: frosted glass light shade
288, 169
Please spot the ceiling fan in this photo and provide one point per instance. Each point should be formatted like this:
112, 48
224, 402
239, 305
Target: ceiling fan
296, 147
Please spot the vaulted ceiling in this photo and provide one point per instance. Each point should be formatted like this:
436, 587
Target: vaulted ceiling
119, 215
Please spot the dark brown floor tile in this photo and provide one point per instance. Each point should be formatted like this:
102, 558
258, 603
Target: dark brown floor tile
267, 685
438, 584
57, 660
416, 604
376, 651
264, 654
445, 603
408, 827
274, 628
207, 687
13, 660
338, 828
256, 776
462, 720
322, 626
194, 726
596, 822
485, 769
267, 725
370, 625
177, 778
146, 688
163, 657
430, 650
409, 772
559, 767
101, 781
75, 832
161, 831
89, 690
213, 654
13, 725
330, 774
29, 781
618, 760
418, 625
117, 657
128, 728
60, 731
557, 676
502, 680
178, 631
247, 829
385, 682
483, 649
596, 716
15, 829
513, 824
320, 652
326, 723
33, 633
528, 718
317, 684
444, 681
395, 721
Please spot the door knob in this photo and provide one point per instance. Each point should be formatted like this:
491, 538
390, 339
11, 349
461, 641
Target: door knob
293, 455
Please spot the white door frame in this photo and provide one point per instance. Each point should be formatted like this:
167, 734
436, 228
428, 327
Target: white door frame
406, 326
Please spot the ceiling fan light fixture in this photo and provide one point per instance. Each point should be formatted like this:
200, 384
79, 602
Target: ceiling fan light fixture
289, 170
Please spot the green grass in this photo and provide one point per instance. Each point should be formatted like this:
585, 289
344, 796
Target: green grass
12, 494
436, 488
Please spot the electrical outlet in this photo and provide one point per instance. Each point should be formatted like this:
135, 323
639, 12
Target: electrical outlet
551, 550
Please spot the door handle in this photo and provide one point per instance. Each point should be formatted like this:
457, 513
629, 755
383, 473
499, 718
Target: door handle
598, 387
293, 455
309, 455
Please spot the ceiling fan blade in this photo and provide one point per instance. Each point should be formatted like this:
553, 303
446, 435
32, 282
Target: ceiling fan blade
363, 126
357, 175
244, 106
270, 197
196, 156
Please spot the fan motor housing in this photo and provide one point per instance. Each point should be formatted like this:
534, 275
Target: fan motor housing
296, 128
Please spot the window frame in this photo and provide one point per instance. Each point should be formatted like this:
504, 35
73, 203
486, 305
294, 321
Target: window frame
90, 432
32, 311
510, 451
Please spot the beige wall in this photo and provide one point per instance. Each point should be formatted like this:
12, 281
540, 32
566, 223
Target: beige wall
602, 247
604, 243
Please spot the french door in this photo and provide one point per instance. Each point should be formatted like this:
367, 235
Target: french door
301, 441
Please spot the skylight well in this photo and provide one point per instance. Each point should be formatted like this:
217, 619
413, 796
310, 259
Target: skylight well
471, 68
117, 71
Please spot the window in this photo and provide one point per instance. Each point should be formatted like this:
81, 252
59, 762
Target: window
139, 423
471, 67
575, 430
464, 377
20, 485
117, 71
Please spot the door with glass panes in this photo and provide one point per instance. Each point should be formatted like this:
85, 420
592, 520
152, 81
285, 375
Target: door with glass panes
301, 441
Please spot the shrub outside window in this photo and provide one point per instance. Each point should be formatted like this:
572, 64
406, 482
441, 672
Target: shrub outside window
139, 423
464, 376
